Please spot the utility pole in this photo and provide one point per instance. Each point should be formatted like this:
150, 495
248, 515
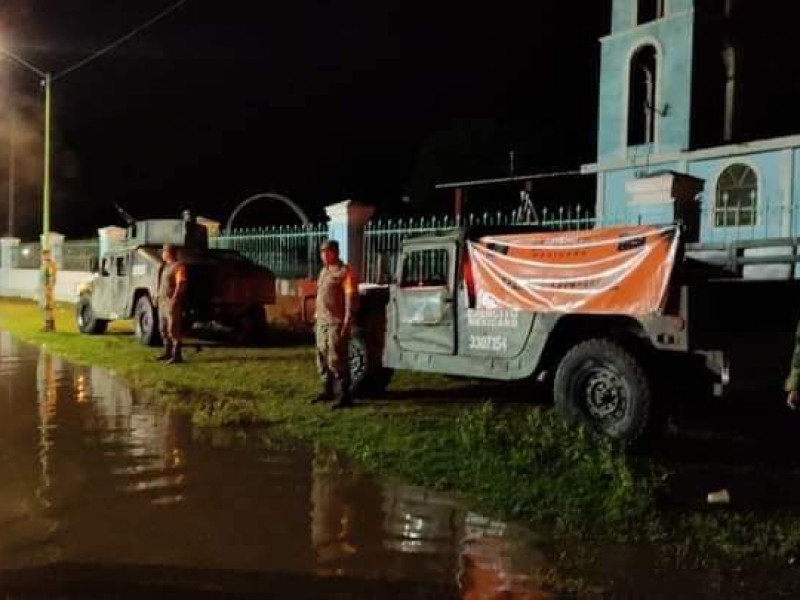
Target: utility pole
48, 271
12, 168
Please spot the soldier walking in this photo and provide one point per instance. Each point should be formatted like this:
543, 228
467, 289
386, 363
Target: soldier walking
170, 297
336, 297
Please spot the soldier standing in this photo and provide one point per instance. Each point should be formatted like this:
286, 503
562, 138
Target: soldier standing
47, 283
793, 381
336, 298
171, 292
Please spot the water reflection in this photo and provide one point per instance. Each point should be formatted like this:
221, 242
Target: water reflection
335, 496
94, 472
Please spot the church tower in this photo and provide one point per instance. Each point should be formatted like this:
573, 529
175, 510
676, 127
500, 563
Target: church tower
646, 80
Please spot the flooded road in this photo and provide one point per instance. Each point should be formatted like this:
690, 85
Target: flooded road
104, 492
103, 485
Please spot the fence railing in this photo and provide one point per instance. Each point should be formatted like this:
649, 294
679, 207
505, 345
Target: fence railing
29, 255
291, 252
78, 255
383, 237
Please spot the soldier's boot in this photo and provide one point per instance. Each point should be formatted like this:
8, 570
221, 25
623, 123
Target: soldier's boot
167, 353
177, 355
344, 399
327, 391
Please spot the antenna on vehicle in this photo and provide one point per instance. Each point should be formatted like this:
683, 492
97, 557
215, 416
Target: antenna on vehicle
124, 215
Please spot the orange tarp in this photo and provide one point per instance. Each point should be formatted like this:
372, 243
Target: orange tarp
619, 270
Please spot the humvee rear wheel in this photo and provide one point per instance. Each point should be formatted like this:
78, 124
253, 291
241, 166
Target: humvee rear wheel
86, 320
601, 384
366, 377
146, 320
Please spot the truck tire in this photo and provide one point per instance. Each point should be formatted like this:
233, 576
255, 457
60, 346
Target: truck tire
86, 320
600, 384
366, 377
251, 327
146, 318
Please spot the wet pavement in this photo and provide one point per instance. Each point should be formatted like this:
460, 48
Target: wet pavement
103, 493
103, 489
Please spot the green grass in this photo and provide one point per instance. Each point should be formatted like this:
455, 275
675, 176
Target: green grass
515, 461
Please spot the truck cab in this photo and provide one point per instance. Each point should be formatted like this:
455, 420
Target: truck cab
436, 325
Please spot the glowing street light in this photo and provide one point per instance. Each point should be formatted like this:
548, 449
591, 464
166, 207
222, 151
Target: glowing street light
48, 274
46, 78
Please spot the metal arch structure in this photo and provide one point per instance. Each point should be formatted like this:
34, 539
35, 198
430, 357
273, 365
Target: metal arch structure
301, 214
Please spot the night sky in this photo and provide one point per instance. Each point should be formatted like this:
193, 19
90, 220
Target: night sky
321, 101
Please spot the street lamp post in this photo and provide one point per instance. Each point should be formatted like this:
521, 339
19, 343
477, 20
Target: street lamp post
47, 82
48, 269
48, 264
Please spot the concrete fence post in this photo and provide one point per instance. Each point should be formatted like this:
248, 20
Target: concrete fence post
346, 224
9, 252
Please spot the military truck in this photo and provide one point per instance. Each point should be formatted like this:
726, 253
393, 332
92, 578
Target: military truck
225, 291
676, 328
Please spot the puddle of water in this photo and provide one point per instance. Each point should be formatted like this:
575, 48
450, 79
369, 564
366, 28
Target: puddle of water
102, 489
94, 474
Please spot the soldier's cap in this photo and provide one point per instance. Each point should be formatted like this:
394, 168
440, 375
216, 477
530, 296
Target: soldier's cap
329, 245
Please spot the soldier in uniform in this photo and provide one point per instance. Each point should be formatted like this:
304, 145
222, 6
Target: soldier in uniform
793, 381
337, 292
47, 282
171, 292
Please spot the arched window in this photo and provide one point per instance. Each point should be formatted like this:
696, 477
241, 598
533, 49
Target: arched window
642, 97
649, 10
737, 197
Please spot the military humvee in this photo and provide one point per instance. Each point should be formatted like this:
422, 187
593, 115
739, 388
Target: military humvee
718, 333
224, 290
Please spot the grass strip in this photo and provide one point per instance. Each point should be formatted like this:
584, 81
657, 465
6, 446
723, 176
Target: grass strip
512, 460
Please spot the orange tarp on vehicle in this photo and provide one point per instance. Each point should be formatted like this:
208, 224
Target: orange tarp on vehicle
619, 270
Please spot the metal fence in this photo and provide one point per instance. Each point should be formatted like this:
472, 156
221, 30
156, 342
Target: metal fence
382, 237
29, 256
289, 251
78, 255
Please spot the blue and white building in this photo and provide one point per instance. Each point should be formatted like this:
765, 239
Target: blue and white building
695, 104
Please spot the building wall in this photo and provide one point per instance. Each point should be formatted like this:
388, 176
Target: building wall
672, 37
691, 85
778, 200
771, 198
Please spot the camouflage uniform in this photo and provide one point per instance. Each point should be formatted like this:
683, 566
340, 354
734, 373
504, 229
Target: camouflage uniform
47, 281
170, 309
336, 290
793, 381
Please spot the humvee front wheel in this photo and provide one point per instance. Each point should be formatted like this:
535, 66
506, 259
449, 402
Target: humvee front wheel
86, 320
367, 378
146, 319
600, 384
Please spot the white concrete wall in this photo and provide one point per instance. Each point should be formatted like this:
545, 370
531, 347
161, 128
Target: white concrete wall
24, 283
